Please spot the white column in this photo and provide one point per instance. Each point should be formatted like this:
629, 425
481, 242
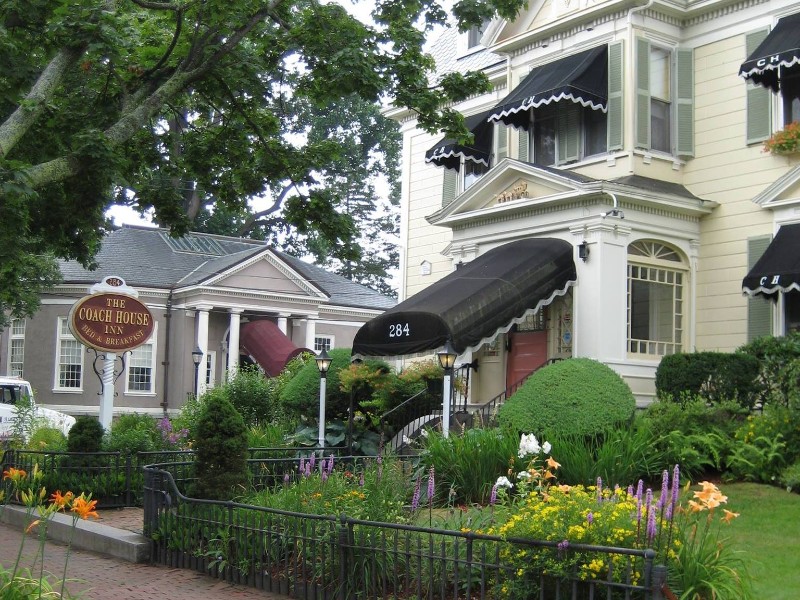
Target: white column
107, 401
233, 342
283, 324
202, 343
311, 331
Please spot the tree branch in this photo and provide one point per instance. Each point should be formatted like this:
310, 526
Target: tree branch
18, 123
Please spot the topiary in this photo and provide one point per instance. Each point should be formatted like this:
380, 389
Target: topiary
86, 435
578, 396
220, 462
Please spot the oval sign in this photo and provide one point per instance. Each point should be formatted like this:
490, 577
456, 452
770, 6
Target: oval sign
111, 322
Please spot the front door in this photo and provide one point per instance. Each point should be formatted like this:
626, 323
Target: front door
528, 351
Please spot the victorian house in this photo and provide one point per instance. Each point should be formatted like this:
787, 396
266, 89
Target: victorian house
616, 201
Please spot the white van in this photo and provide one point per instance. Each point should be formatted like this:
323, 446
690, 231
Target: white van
14, 388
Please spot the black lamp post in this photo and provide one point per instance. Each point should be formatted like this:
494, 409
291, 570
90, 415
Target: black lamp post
323, 364
447, 358
197, 356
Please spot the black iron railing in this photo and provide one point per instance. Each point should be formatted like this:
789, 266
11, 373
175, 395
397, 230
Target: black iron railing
338, 557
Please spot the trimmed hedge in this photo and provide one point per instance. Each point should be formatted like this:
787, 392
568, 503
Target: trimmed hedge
779, 368
301, 393
714, 376
577, 396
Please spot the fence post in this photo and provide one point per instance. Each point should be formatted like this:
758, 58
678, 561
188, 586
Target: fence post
344, 542
128, 481
659, 582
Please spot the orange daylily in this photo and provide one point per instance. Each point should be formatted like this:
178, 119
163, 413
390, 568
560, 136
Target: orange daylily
729, 515
695, 506
14, 475
84, 507
551, 463
33, 524
61, 501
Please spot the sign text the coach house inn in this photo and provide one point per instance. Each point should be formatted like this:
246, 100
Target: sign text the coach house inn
110, 319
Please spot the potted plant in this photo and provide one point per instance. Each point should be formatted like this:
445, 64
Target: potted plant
785, 141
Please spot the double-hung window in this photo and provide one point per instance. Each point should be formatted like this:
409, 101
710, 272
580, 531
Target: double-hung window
69, 359
141, 368
562, 133
323, 342
16, 348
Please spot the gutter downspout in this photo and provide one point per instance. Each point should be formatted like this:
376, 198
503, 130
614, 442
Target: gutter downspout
165, 364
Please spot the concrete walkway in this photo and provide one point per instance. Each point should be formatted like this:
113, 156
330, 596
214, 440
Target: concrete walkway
94, 576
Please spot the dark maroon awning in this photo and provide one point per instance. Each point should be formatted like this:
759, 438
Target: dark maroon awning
268, 345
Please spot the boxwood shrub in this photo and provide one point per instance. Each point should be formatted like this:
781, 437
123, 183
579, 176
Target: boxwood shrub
714, 376
301, 394
576, 396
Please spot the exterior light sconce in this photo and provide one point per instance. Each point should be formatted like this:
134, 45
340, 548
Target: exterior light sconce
583, 251
447, 359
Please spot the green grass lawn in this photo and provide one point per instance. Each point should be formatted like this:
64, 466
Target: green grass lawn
768, 531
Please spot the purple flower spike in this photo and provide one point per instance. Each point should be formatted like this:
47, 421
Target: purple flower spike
493, 496
651, 523
415, 497
662, 499
639, 490
630, 491
599, 489
668, 512
563, 545
590, 518
361, 479
676, 485
302, 468
329, 467
308, 469
431, 484
324, 476
286, 479
312, 461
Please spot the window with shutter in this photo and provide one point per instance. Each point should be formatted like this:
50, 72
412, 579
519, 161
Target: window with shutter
449, 186
684, 96
759, 308
615, 97
642, 93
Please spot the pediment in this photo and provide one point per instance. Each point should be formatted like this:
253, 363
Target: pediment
265, 273
509, 186
784, 191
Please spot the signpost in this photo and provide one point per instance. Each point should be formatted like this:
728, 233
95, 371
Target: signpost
110, 319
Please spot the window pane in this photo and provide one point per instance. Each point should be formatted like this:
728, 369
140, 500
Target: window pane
473, 172
595, 136
544, 137
790, 94
791, 302
659, 74
659, 125
140, 369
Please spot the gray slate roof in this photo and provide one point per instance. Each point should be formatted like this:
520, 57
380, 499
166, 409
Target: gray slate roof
445, 52
147, 257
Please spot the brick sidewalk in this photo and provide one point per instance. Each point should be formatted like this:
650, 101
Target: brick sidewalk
91, 576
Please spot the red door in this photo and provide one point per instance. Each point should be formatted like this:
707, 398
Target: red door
528, 352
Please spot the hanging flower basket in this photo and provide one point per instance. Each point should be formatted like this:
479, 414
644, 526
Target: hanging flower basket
785, 141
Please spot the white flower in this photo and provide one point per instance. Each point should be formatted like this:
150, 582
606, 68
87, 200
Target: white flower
406, 440
503, 482
547, 447
523, 475
424, 432
528, 445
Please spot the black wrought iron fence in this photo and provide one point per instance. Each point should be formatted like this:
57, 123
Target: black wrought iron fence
338, 557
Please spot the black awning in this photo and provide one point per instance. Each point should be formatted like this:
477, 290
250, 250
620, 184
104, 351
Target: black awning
781, 48
778, 269
447, 153
581, 78
474, 302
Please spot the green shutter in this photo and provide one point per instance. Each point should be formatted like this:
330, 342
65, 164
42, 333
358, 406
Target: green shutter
685, 100
615, 96
642, 93
450, 186
568, 132
501, 148
523, 142
759, 102
759, 309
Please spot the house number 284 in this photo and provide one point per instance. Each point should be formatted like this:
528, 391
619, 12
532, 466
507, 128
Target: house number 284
399, 330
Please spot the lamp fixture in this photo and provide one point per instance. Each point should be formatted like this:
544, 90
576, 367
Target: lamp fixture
583, 250
447, 356
197, 355
323, 362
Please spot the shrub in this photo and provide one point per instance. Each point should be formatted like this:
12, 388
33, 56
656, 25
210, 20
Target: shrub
252, 394
220, 449
777, 380
300, 395
576, 396
790, 478
47, 438
132, 433
86, 435
714, 376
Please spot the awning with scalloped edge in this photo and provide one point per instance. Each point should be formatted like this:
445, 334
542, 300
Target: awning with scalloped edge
474, 303
778, 269
779, 50
447, 153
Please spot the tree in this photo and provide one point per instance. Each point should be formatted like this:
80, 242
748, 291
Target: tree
172, 105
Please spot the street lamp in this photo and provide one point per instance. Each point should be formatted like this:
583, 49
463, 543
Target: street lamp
197, 356
447, 358
323, 364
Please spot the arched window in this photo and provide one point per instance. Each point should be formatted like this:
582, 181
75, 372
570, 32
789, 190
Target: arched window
657, 282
